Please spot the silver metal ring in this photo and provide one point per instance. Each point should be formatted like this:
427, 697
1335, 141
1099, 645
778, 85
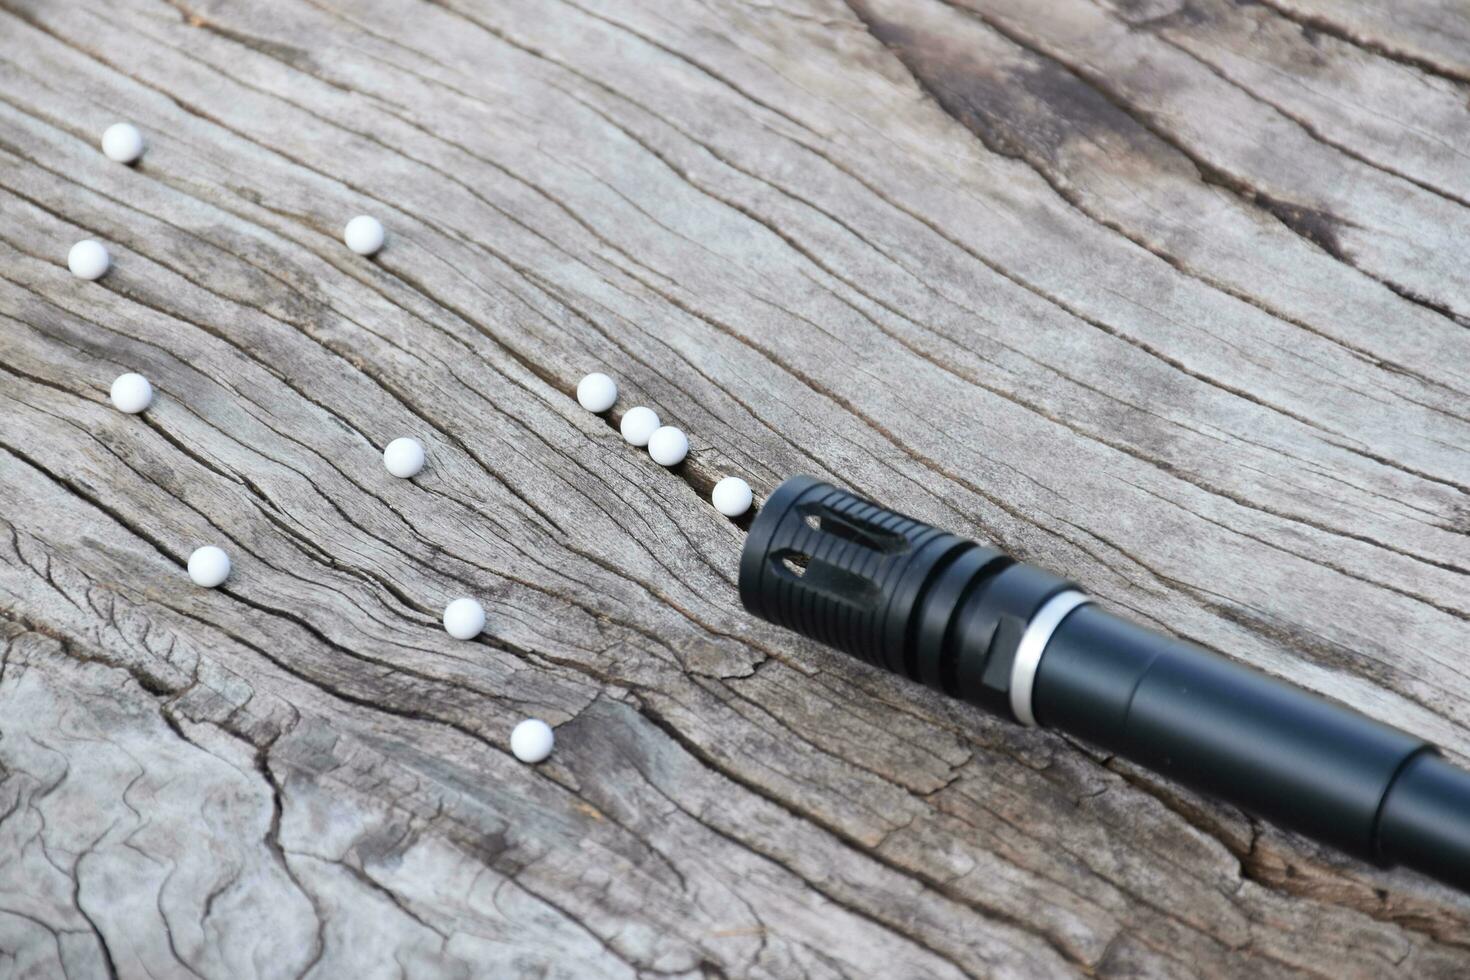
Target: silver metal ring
1033, 645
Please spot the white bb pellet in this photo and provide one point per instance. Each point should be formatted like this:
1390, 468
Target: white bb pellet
668, 446
404, 457
731, 496
464, 619
638, 424
531, 740
131, 393
88, 259
363, 234
122, 142
597, 392
209, 566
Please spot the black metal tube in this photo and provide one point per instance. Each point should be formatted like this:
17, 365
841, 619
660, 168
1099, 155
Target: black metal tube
967, 620
1221, 728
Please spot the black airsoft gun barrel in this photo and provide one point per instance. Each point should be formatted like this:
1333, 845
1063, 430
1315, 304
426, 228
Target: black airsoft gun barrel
967, 620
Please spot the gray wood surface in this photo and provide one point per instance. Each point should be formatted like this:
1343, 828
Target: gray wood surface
1173, 298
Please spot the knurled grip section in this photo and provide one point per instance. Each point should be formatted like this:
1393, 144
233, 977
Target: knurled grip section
890, 590
835, 567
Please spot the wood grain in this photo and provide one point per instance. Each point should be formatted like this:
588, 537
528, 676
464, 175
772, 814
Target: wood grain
1171, 297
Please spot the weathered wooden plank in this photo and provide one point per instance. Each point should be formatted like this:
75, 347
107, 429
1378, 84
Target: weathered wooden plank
1430, 37
1405, 122
1103, 285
